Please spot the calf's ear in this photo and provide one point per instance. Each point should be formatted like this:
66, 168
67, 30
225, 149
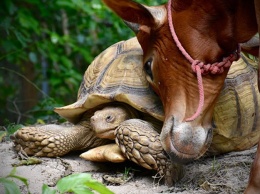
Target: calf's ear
131, 11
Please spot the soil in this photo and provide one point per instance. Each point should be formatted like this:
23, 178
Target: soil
226, 173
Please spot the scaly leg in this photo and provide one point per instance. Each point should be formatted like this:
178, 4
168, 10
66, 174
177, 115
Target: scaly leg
140, 142
56, 140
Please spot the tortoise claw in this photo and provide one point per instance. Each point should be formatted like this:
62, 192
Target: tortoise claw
105, 153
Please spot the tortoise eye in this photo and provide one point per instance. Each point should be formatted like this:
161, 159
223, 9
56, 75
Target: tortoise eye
148, 68
109, 118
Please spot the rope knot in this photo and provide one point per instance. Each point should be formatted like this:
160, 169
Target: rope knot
196, 63
215, 68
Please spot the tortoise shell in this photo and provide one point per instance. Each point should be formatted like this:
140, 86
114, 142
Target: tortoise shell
117, 75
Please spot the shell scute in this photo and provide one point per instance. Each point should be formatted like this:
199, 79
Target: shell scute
115, 75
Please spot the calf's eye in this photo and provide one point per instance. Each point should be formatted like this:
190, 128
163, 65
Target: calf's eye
148, 68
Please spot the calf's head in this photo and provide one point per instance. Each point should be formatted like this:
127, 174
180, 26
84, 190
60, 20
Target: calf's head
170, 74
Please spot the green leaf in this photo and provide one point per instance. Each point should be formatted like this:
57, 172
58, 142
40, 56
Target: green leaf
77, 183
6, 24
10, 186
24, 180
21, 38
66, 62
11, 128
97, 186
54, 38
13, 175
72, 181
80, 38
47, 190
33, 57
27, 20
10, 7
65, 3
12, 172
81, 189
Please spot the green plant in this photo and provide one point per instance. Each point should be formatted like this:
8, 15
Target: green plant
128, 172
10, 186
80, 183
215, 165
9, 129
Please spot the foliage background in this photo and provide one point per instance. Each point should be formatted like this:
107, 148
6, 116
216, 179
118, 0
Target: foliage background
45, 47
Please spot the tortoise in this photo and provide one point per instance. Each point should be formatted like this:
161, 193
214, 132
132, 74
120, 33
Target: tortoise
116, 79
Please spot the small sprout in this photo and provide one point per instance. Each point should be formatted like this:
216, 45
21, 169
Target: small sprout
215, 165
28, 161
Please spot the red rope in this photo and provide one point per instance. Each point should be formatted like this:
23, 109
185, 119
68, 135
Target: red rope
199, 67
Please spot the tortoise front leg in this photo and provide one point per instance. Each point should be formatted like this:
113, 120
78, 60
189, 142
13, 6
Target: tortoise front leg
56, 140
105, 153
140, 142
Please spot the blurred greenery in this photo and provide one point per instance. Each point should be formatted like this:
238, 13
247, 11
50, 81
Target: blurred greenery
45, 47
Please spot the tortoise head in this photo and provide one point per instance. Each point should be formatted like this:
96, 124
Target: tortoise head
169, 72
105, 120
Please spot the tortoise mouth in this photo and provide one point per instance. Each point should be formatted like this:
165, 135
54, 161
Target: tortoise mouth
184, 142
109, 134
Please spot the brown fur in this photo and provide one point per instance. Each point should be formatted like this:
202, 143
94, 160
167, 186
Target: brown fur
209, 30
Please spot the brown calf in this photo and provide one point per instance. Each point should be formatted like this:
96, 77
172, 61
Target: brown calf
209, 30
188, 72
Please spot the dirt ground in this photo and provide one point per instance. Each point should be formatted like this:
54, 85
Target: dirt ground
221, 174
